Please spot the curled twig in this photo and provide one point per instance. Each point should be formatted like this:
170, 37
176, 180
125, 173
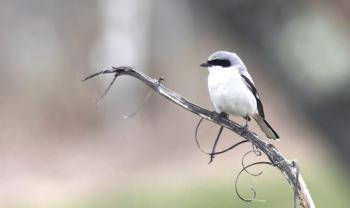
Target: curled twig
244, 167
257, 153
253, 198
213, 153
196, 137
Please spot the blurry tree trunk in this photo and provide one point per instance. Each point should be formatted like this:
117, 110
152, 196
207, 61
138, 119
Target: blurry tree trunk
124, 41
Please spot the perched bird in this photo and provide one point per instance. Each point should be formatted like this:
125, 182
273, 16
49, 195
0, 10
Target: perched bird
232, 90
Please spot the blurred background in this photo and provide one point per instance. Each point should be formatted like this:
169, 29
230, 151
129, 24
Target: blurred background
60, 149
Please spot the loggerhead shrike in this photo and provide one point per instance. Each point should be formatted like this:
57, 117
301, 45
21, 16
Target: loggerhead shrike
232, 90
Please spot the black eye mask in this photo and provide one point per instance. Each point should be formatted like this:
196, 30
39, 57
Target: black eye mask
219, 62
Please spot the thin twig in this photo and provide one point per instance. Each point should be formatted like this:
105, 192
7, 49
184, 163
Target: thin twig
149, 94
106, 90
212, 154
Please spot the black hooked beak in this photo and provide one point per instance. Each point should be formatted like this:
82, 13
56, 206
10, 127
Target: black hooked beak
206, 64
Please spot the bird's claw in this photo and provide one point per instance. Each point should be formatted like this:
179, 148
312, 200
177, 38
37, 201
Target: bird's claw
244, 130
220, 115
224, 115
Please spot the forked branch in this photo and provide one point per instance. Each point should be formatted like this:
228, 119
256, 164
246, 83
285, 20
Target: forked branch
288, 168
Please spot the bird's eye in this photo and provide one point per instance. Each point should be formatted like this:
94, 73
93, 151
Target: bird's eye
220, 62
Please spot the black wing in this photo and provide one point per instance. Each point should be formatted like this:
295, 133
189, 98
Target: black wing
252, 88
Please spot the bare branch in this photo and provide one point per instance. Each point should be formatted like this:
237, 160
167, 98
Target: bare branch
289, 171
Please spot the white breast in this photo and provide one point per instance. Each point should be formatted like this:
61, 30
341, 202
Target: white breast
229, 93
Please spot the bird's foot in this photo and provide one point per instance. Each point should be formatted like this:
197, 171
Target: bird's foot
224, 115
219, 115
244, 130
247, 118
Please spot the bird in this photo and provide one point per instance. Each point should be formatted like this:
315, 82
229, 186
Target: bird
233, 92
